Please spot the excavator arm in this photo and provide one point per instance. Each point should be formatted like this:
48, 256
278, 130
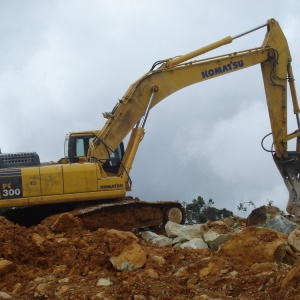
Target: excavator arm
170, 75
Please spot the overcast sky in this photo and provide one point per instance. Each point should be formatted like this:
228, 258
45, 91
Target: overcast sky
63, 63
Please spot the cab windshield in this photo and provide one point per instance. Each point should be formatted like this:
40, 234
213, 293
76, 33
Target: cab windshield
78, 145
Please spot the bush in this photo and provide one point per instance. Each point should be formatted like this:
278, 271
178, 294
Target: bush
200, 212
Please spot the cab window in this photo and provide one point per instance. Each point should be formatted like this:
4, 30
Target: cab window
79, 145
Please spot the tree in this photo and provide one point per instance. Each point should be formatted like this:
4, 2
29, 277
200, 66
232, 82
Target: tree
200, 212
243, 205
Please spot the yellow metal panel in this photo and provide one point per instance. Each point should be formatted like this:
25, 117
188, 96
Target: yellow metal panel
80, 178
31, 183
51, 180
110, 184
110, 194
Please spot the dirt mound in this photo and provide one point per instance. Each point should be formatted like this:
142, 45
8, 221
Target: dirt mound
58, 259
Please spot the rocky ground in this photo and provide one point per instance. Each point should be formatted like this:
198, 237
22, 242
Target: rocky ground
229, 259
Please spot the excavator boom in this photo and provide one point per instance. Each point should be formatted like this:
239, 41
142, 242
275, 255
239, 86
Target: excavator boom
179, 72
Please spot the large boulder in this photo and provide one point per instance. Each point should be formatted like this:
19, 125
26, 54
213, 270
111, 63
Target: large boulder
262, 214
257, 245
159, 240
271, 217
196, 243
132, 257
219, 232
294, 239
187, 232
126, 253
215, 239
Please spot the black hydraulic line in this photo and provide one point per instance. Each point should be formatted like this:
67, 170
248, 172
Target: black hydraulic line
262, 143
159, 62
103, 160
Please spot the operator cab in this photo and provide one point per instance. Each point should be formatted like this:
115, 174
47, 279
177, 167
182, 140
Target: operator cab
77, 145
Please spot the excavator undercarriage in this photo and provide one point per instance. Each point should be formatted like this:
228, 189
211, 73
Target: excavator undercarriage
130, 214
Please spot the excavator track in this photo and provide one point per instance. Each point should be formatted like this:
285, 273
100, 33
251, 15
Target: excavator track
130, 214
125, 214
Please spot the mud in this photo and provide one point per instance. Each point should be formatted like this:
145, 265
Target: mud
60, 259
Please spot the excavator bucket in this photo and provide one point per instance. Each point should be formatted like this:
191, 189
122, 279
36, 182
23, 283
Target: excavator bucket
289, 168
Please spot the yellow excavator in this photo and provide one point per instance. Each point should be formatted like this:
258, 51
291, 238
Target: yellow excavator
92, 180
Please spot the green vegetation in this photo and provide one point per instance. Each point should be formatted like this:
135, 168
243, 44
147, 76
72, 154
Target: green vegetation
200, 212
244, 205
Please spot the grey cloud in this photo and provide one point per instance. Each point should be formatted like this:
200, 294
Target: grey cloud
63, 63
